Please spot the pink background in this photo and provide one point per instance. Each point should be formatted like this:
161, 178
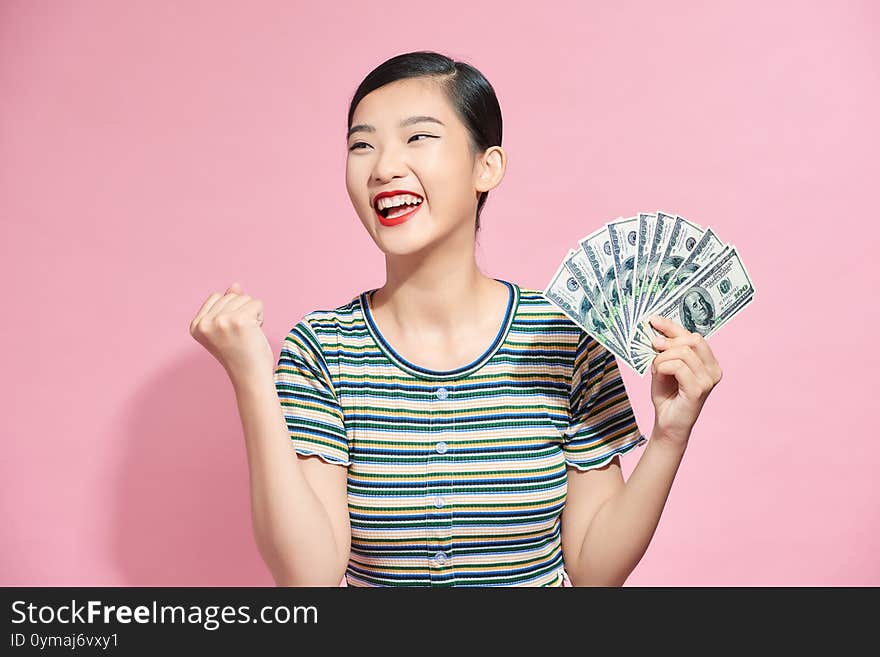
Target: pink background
154, 152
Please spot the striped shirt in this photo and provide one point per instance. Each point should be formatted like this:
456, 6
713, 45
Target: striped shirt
458, 477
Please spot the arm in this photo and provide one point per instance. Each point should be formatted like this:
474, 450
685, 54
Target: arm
617, 520
608, 523
299, 505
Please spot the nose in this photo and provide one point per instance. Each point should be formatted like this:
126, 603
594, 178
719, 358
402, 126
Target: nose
389, 165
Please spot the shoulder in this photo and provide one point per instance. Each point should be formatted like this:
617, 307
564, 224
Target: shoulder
539, 311
331, 314
534, 298
322, 327
540, 315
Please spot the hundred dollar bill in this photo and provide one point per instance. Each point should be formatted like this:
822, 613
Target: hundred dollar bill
641, 366
683, 238
579, 266
660, 226
706, 248
642, 362
641, 339
636, 267
565, 291
597, 247
642, 357
623, 236
644, 235
703, 255
659, 241
711, 298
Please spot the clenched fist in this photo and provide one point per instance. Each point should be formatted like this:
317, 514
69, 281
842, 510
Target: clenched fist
229, 327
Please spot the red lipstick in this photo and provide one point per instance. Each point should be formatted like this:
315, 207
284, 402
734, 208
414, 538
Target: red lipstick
396, 220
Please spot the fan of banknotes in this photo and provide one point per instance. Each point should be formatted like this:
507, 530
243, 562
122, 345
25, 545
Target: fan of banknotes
650, 264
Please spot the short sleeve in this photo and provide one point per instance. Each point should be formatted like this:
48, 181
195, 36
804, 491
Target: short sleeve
601, 420
314, 417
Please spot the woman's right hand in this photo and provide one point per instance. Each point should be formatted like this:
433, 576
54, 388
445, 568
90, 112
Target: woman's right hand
229, 326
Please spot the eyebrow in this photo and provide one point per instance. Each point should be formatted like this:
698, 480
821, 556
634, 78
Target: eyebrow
365, 127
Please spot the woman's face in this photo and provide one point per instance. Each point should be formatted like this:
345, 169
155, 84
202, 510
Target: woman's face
429, 159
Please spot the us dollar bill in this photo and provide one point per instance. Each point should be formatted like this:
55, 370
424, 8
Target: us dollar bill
641, 338
673, 240
644, 237
706, 248
659, 228
579, 266
683, 239
659, 242
636, 267
624, 235
711, 298
597, 247
566, 292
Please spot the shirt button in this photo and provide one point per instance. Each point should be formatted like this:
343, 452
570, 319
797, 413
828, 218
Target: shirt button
439, 502
441, 447
440, 558
442, 393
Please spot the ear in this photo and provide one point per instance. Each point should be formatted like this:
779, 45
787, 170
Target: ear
492, 165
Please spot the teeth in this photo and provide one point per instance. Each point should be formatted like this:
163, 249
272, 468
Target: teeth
400, 199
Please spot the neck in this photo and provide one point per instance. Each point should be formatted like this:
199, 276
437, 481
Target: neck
437, 294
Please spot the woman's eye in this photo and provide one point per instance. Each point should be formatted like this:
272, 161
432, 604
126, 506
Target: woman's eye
354, 147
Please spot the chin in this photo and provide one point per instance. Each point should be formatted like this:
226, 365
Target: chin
409, 238
403, 245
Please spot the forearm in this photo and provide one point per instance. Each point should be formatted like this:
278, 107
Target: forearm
621, 530
291, 526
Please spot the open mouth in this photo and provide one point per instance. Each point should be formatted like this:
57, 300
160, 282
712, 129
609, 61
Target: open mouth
390, 216
399, 210
401, 216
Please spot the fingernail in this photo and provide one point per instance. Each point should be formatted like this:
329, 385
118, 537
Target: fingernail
659, 340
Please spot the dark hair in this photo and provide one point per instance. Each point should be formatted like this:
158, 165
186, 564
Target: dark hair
467, 89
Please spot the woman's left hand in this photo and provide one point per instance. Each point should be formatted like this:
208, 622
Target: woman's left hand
683, 374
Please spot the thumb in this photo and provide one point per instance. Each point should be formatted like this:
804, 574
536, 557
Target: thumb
234, 288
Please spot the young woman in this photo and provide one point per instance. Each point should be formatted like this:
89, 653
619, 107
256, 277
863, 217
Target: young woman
451, 429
